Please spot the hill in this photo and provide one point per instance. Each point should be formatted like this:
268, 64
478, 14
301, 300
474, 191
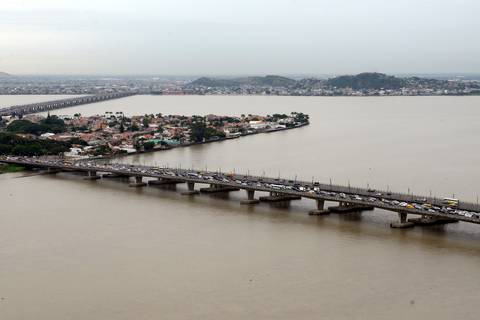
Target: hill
367, 81
4, 74
267, 81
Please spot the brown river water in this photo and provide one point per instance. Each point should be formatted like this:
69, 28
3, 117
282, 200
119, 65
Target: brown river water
76, 249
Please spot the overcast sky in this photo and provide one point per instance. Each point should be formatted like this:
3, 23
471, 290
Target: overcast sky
214, 37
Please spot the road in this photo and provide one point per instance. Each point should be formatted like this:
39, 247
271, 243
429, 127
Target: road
392, 201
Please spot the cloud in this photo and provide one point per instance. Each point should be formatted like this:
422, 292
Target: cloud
213, 36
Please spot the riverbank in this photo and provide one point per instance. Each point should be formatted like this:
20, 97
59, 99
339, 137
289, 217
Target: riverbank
198, 143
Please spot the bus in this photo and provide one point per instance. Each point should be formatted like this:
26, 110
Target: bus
450, 201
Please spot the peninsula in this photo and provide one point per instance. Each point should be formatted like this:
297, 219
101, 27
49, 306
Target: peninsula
113, 133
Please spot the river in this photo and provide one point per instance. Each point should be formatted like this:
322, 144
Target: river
76, 249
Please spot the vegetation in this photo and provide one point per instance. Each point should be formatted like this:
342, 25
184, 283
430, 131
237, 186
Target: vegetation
275, 117
148, 146
11, 168
11, 144
267, 81
199, 131
301, 117
49, 124
367, 81
102, 150
362, 81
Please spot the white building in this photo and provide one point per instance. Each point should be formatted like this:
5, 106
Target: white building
258, 125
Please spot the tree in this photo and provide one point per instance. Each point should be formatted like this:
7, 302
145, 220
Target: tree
24, 126
145, 121
197, 131
102, 150
300, 117
148, 146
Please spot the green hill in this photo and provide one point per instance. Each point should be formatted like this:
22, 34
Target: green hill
267, 81
367, 81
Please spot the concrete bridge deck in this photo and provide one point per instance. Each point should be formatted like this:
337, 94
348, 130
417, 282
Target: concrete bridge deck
59, 104
346, 196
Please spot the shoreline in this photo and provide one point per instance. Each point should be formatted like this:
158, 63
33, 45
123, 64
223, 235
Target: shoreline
248, 95
196, 143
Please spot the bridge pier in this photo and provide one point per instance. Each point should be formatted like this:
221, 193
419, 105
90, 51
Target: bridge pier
138, 182
191, 189
216, 188
278, 197
279, 200
345, 207
52, 171
170, 184
250, 198
113, 176
320, 209
403, 223
430, 221
92, 175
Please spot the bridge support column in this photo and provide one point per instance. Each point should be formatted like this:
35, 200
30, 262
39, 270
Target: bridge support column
346, 207
218, 189
138, 182
191, 189
92, 175
403, 223
53, 170
320, 209
250, 198
279, 200
425, 220
163, 183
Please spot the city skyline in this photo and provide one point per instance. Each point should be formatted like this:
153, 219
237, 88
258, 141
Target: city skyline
218, 37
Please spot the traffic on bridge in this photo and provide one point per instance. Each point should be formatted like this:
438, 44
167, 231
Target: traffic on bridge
433, 210
59, 104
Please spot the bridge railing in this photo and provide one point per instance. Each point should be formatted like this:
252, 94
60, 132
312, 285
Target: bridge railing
385, 194
55, 104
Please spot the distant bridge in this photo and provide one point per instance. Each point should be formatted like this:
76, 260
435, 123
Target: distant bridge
59, 104
282, 192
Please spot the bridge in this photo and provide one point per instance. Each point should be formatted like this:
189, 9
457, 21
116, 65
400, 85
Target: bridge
281, 192
59, 104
